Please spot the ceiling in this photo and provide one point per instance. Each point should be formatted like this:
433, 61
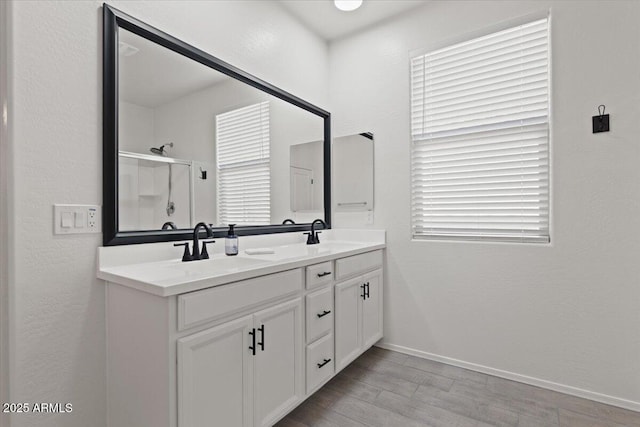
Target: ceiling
142, 83
323, 18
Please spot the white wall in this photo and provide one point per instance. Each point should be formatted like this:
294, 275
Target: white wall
5, 197
58, 323
135, 128
568, 312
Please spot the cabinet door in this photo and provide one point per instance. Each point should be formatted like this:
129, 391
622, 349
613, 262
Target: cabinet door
278, 370
215, 372
348, 297
372, 309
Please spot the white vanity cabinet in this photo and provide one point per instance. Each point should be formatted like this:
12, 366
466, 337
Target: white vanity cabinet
358, 303
248, 372
372, 309
278, 369
238, 354
215, 375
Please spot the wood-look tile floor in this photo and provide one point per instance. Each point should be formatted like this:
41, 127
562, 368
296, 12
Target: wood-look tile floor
388, 389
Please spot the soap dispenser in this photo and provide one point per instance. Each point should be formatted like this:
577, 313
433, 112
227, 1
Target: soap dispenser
231, 242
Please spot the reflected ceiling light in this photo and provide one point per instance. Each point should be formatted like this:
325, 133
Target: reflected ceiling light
347, 5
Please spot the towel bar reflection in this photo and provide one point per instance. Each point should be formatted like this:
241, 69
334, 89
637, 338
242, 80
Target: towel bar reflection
351, 203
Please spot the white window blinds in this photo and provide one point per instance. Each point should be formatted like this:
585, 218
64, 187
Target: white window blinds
480, 138
244, 183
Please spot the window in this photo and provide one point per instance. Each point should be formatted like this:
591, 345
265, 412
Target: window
480, 138
244, 183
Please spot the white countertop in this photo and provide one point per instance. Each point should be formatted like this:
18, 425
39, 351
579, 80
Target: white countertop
157, 268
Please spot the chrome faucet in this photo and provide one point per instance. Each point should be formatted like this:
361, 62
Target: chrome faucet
312, 238
197, 254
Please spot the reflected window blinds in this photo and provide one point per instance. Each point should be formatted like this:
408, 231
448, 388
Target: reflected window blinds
244, 183
480, 138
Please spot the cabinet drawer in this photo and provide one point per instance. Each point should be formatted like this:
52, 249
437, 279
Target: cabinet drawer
357, 264
319, 274
320, 364
209, 304
319, 313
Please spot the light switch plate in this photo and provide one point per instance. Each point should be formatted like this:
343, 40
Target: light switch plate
77, 219
66, 219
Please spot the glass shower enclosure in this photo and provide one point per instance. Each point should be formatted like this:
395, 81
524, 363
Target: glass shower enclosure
154, 191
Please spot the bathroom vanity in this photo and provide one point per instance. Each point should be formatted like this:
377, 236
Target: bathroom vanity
231, 341
236, 341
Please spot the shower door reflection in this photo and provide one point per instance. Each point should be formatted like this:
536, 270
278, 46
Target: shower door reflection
154, 190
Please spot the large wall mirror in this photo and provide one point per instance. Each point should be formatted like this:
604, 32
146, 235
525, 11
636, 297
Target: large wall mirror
190, 138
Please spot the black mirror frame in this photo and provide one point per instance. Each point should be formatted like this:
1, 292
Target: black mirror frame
114, 19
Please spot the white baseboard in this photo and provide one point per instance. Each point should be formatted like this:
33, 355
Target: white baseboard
574, 391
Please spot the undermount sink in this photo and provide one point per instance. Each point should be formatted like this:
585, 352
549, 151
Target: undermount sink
219, 264
302, 250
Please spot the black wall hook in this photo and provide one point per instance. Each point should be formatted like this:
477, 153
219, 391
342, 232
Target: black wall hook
601, 121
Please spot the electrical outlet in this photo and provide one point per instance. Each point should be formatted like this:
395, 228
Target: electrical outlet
76, 219
92, 222
369, 219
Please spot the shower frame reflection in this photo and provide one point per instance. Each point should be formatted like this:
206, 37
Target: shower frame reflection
171, 206
162, 158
